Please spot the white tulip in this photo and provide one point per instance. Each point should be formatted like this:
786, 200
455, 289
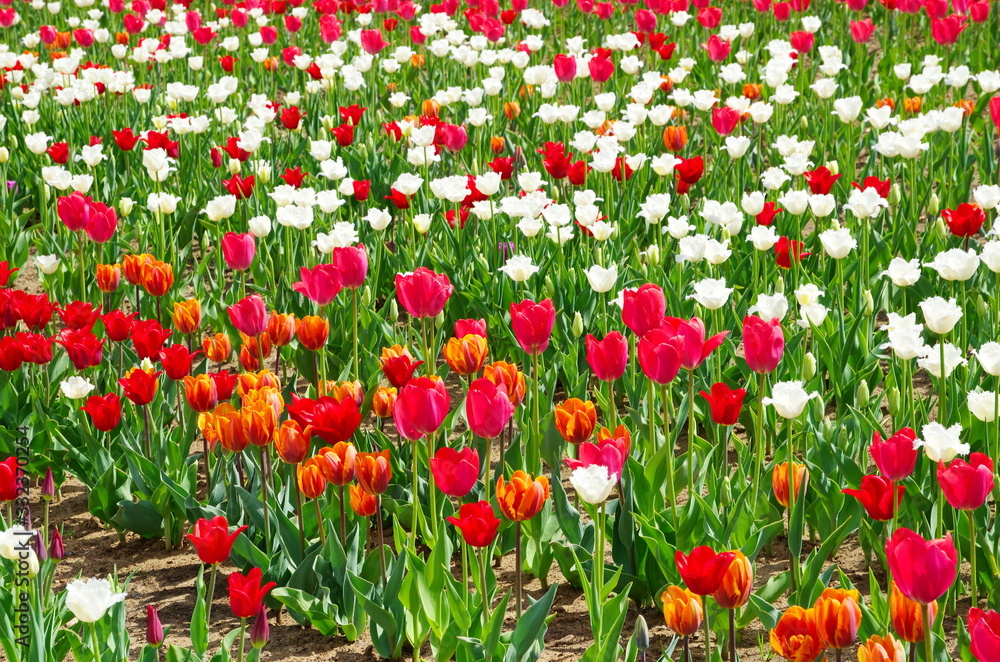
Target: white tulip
941, 444
593, 483
90, 599
789, 398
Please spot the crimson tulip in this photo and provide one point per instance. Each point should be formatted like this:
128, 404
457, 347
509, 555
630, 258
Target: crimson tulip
763, 343
85, 350
249, 315
984, 630
703, 569
924, 570
118, 325
140, 386
643, 309
10, 479
321, 284
177, 360
147, 338
477, 523
787, 250
967, 484
331, 419
487, 408
532, 324
212, 540
105, 411
896, 456
79, 315
246, 594
607, 358
455, 471
724, 403
420, 407
965, 220
821, 180
423, 293
877, 495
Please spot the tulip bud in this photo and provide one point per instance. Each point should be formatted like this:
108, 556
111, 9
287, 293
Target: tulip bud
864, 395
481, 259
56, 549
48, 485
827, 428
808, 367
393, 310
727, 492
328, 122
38, 546
940, 229
234, 166
819, 408
439, 320
366, 296
549, 288
577, 325
641, 633
894, 402
981, 306
260, 632
895, 194
804, 123
869, 304
4, 155
154, 628
933, 205
725, 235
833, 167
653, 255
779, 287
125, 206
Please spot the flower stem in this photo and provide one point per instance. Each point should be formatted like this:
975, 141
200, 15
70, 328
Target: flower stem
243, 638
671, 459
692, 433
928, 642
210, 596
517, 565
972, 558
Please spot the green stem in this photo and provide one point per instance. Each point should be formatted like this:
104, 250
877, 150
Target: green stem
534, 461
928, 641
354, 311
416, 501
692, 432
319, 522
263, 492
517, 566
243, 638
708, 629
210, 596
94, 642
671, 459
942, 396
793, 559
431, 489
972, 558
482, 579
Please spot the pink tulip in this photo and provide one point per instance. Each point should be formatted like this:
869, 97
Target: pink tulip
487, 408
420, 408
455, 471
372, 41
763, 343
238, 250
102, 224
319, 284
607, 358
696, 347
565, 66
724, 120
718, 48
423, 293
924, 570
352, 263
249, 315
643, 309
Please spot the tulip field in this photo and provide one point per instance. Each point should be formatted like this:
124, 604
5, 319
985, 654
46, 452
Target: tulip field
501, 330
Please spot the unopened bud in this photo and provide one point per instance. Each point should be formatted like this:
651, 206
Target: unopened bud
866, 300
549, 288
48, 485
125, 206
779, 287
808, 367
726, 497
393, 310
982, 307
260, 632
819, 408
895, 194
56, 549
154, 628
328, 122
804, 123
864, 395
653, 254
833, 167
234, 166
4, 155
366, 296
38, 546
894, 402
641, 633
439, 319
933, 205
577, 325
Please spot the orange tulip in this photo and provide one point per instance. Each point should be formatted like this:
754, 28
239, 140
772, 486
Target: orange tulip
281, 328
906, 615
121, 38
779, 481
109, 277
522, 498
912, 105
466, 355
430, 108
882, 649
157, 278
255, 381
682, 610
201, 393
254, 349
838, 617
417, 61
383, 401
338, 462
374, 471
362, 503
506, 374
675, 138
259, 422
217, 348
229, 428
132, 266
312, 332
886, 101
311, 480
345, 391
291, 441
511, 109
966, 105
576, 420
187, 316
271, 63
796, 636
497, 144
752, 91
734, 591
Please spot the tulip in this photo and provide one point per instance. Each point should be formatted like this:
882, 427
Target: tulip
187, 316
384, 401
312, 484
90, 599
212, 540
520, 500
576, 420
247, 593
593, 483
724, 403
967, 484
321, 284
643, 309
105, 412
779, 482
882, 649
291, 441
532, 324
906, 615
879, 496
423, 293
896, 456
455, 472
660, 354
398, 365
217, 348
312, 332
703, 569
154, 628
466, 355
838, 616
374, 471
477, 523
607, 358
488, 409
763, 343
737, 582
682, 612
796, 636
238, 250
609, 452
10, 479
507, 375
331, 419
420, 408
362, 503
140, 386
249, 315
984, 631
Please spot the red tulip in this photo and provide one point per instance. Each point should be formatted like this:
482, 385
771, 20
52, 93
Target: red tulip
140, 386
565, 67
724, 403
470, 327
718, 48
984, 630
352, 264
477, 523
967, 484
896, 456
148, 337
607, 358
876, 495
102, 224
659, 353
10, 479
487, 408
249, 315
118, 325
703, 570
6, 272
787, 250
455, 471
321, 284
105, 411
995, 112
643, 309
420, 407
330, 419
79, 315
821, 180
532, 324
246, 594
238, 250
176, 361
85, 350
965, 220
11, 354
212, 540
924, 570
423, 293
696, 347
763, 343
74, 211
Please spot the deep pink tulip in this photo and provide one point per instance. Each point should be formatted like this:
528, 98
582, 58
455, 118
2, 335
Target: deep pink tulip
420, 408
487, 408
455, 471
372, 41
532, 324
895, 457
984, 630
74, 210
862, 31
725, 119
249, 315
659, 354
321, 284
643, 309
607, 358
763, 343
692, 332
608, 452
565, 66
238, 250
924, 570
718, 48
352, 263
967, 484
102, 223
423, 293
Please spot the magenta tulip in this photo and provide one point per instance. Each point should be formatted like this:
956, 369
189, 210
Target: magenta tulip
607, 358
763, 343
455, 471
238, 250
487, 408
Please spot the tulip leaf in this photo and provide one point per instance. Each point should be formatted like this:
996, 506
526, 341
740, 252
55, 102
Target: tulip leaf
530, 629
